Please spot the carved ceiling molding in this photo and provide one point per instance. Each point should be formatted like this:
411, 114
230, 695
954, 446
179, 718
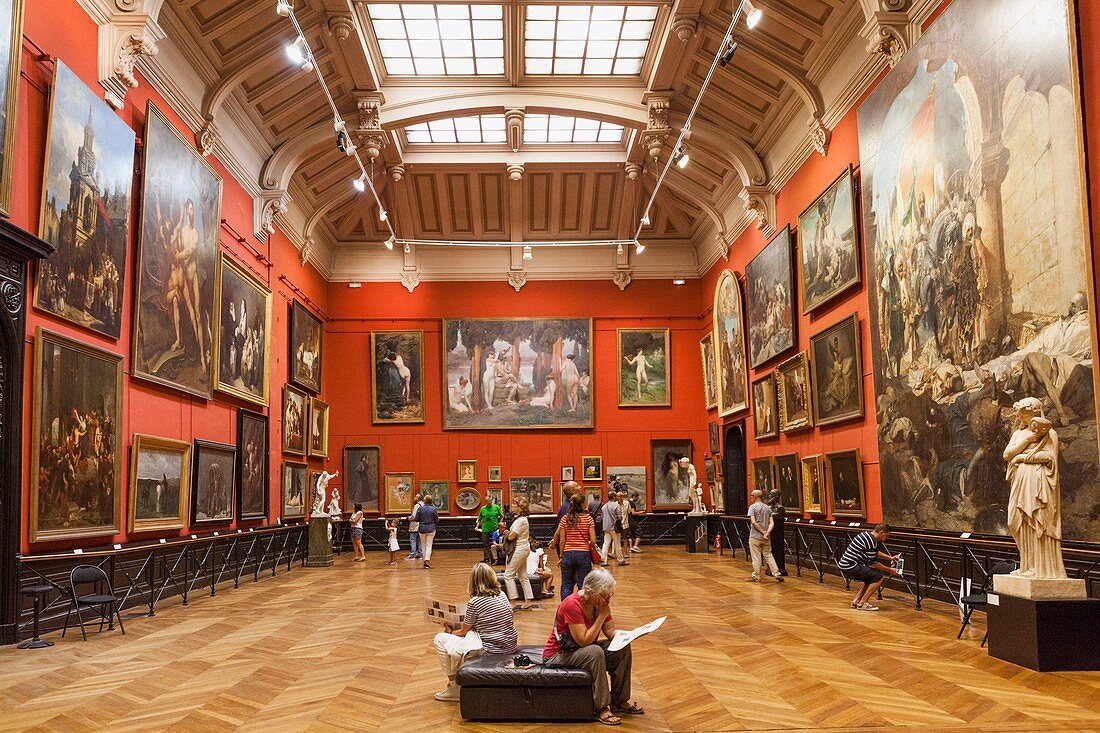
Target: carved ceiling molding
369, 128
820, 136
517, 279
888, 35
760, 203
657, 130
621, 279
128, 30
269, 205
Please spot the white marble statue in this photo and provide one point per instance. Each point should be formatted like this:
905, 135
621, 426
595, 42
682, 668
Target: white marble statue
697, 500
689, 470
322, 491
334, 504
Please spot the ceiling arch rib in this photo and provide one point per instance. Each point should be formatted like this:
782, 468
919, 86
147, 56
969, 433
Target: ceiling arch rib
730, 148
696, 196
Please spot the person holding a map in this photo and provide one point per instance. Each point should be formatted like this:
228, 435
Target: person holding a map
575, 642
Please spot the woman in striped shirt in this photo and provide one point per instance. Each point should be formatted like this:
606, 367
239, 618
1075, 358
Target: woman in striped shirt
575, 535
488, 626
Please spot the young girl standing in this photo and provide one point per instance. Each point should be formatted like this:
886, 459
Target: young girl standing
357, 534
391, 529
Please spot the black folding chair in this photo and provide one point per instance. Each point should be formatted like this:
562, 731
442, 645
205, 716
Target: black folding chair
979, 601
107, 603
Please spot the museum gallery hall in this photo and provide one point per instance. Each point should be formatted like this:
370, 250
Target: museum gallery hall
539, 365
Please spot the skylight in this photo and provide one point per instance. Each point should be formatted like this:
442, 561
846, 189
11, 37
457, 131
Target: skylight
417, 39
539, 128
587, 39
476, 129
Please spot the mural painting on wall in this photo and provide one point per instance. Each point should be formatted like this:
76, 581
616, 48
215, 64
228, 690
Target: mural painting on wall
765, 413
440, 491
294, 491
361, 465
398, 389
212, 495
252, 457
729, 346
828, 252
769, 300
160, 481
671, 483
710, 389
836, 373
517, 373
978, 299
306, 342
177, 261
77, 420
11, 54
645, 367
538, 491
243, 346
787, 479
629, 479
86, 195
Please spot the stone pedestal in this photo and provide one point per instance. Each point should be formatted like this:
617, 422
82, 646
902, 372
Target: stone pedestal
695, 533
1052, 635
320, 546
1039, 588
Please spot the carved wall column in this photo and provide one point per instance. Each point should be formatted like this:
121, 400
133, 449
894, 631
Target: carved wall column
372, 138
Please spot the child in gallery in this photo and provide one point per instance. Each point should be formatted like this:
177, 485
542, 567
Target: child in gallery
391, 529
357, 534
536, 565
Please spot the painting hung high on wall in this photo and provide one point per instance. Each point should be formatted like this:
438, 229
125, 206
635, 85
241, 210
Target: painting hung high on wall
318, 428
763, 475
769, 300
295, 491
306, 342
212, 479
978, 245
671, 484
645, 367
844, 481
398, 390
629, 479
828, 255
295, 416
11, 52
792, 387
399, 492
440, 491
813, 485
252, 458
710, 388
243, 352
76, 462
729, 346
788, 474
538, 491
765, 412
517, 373
836, 372
177, 261
361, 476
714, 437
86, 198
160, 481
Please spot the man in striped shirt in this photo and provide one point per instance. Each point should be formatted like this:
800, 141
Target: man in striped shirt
864, 559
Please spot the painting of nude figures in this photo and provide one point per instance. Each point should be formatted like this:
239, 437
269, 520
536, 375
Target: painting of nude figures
177, 257
729, 346
828, 252
769, 304
978, 265
510, 374
397, 394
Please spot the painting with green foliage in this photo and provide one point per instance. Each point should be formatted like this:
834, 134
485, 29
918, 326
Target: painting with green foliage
644, 367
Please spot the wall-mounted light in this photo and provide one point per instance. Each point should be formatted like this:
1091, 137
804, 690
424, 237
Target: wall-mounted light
678, 281
353, 286
528, 253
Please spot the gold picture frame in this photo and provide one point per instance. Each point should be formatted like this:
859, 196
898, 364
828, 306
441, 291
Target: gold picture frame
399, 488
228, 266
844, 474
407, 349
731, 367
295, 414
137, 492
792, 389
706, 354
10, 101
494, 474
318, 428
813, 485
591, 468
648, 343
466, 472
836, 372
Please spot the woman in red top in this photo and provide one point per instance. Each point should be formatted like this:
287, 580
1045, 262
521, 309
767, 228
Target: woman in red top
576, 533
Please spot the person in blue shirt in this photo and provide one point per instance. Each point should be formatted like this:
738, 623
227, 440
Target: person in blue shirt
497, 542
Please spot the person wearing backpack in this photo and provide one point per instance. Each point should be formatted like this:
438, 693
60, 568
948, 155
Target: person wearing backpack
414, 529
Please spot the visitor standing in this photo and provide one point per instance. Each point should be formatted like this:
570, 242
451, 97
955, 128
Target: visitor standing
779, 518
760, 517
414, 529
612, 515
391, 540
576, 536
635, 525
487, 520
519, 533
429, 516
356, 523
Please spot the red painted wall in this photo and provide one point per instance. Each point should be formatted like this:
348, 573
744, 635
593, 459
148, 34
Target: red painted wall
146, 408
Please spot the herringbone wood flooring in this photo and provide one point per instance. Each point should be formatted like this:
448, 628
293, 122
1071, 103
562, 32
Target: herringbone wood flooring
346, 649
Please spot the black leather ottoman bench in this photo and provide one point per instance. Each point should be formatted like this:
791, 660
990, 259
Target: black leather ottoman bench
492, 689
536, 584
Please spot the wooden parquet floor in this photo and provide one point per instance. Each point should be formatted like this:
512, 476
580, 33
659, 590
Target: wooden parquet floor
346, 649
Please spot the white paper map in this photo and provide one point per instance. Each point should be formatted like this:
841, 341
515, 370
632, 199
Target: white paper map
623, 638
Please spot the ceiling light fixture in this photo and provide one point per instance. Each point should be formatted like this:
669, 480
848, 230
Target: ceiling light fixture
360, 183
354, 285
619, 249
300, 54
382, 215
681, 158
390, 242
527, 252
284, 8
727, 54
408, 248
645, 219
639, 247
753, 14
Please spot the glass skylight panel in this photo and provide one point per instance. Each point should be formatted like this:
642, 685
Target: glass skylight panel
541, 128
587, 39
474, 129
425, 39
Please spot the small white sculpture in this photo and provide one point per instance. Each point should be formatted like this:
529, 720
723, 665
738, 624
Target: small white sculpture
692, 474
334, 504
697, 506
322, 491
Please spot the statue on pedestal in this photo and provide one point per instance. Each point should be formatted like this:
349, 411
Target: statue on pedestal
697, 500
322, 491
334, 504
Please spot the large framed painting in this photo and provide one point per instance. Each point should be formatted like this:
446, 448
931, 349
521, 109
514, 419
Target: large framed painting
242, 350
844, 484
813, 493
973, 187
729, 346
76, 454
306, 342
11, 54
361, 476
399, 492
318, 428
828, 252
177, 261
769, 300
645, 367
160, 481
763, 475
836, 373
212, 479
397, 395
295, 417
86, 196
629, 479
765, 411
788, 479
252, 458
710, 387
538, 490
440, 491
509, 374
792, 386
295, 493
671, 487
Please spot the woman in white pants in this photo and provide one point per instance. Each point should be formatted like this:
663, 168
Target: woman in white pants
517, 565
428, 516
488, 626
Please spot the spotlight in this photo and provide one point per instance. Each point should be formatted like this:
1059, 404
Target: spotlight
390, 242
360, 183
681, 158
727, 55
344, 144
753, 14
339, 126
678, 281
639, 248
527, 252
354, 285
299, 54
619, 249
284, 8
645, 219
408, 248
382, 215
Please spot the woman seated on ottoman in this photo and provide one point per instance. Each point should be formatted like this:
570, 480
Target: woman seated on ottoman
488, 626
574, 642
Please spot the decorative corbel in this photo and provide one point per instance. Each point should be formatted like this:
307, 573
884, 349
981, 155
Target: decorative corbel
633, 170
621, 278
760, 203
887, 35
820, 136
123, 39
657, 131
270, 204
307, 250
207, 138
685, 26
410, 279
372, 138
396, 172
517, 279
341, 26
515, 172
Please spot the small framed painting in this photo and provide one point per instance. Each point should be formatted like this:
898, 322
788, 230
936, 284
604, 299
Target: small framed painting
496, 496
318, 428
836, 373
252, 460
714, 436
718, 497
566, 473
295, 416
468, 499
787, 477
763, 475
212, 495
710, 468
813, 496
536, 489
467, 472
440, 491
160, 481
631, 481
494, 474
295, 477
792, 387
765, 419
306, 339
361, 475
399, 492
844, 484
591, 468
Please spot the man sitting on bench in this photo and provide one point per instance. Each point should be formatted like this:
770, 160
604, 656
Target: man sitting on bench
863, 561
